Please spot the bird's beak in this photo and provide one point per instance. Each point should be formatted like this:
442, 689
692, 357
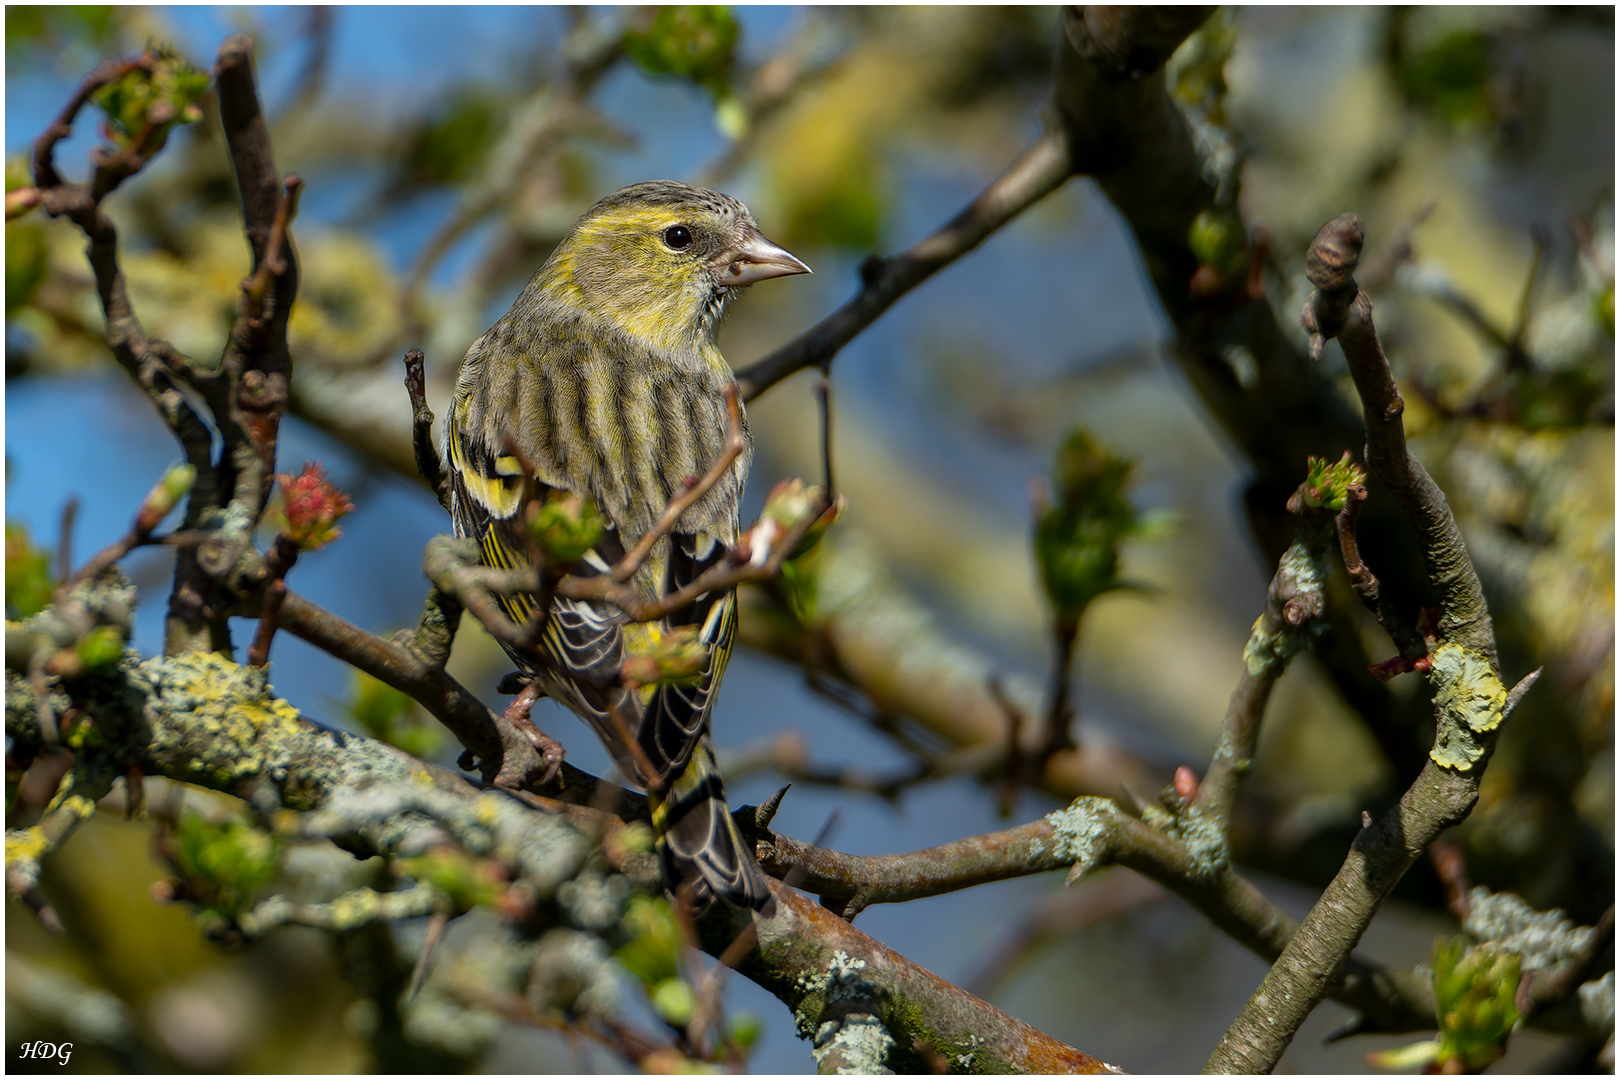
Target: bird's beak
755, 259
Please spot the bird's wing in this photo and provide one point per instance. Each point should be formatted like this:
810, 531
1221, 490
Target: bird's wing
584, 643
677, 715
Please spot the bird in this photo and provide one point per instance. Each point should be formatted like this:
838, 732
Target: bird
604, 381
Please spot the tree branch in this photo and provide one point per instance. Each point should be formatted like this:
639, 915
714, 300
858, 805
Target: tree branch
201, 719
820, 966
1037, 172
1090, 833
1338, 308
1469, 696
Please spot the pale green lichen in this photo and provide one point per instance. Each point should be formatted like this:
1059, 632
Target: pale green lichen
1205, 840
1261, 651
592, 901
573, 974
1597, 1003
861, 1042
964, 1060
840, 981
1468, 700
1543, 939
1080, 832
230, 726
1301, 575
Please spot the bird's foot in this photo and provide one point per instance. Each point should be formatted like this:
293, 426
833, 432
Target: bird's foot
551, 751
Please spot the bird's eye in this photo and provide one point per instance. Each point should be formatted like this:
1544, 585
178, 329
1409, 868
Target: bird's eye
678, 236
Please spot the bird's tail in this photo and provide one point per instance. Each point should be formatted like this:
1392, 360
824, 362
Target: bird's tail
698, 843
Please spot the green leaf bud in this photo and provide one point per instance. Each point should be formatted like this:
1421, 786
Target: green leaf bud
745, 1029
676, 656
100, 648
146, 103
674, 1001
165, 496
1326, 483
790, 503
1077, 536
566, 526
1217, 239
652, 949
1474, 997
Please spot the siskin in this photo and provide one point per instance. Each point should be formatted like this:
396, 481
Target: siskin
604, 381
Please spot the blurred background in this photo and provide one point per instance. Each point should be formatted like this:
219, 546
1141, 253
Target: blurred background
445, 151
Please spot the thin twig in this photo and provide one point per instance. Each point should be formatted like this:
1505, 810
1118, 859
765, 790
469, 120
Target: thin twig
64, 537
824, 400
1410, 643
45, 174
275, 594
1037, 172
650, 778
427, 455
1451, 867
431, 936
1514, 357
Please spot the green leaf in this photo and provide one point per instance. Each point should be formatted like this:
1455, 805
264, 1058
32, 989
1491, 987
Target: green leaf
675, 1001
101, 647
1077, 537
145, 105
28, 573
232, 856
744, 1029
566, 526
1451, 77
1474, 992
697, 41
652, 950
27, 260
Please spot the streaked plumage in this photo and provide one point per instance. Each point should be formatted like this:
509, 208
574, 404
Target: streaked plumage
605, 377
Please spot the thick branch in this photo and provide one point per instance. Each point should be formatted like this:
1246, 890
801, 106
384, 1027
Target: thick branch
1338, 308
813, 961
504, 752
1469, 697
1091, 833
1297, 982
201, 719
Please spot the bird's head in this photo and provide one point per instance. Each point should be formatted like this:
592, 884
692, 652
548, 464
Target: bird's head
662, 259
